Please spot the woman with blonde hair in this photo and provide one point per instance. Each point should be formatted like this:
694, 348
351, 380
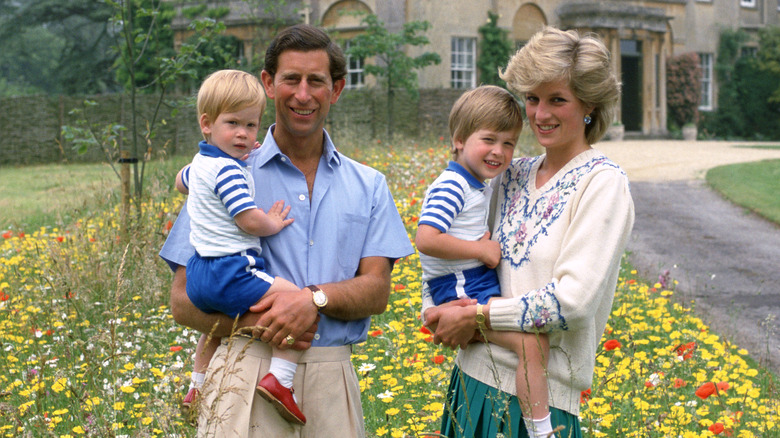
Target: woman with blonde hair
563, 220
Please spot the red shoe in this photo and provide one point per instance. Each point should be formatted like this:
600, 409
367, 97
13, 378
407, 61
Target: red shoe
188, 404
281, 398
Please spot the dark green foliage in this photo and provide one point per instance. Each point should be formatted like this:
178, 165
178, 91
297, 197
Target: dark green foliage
683, 88
747, 88
495, 50
150, 24
56, 46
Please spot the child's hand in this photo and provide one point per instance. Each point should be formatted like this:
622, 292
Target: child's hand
255, 146
278, 216
490, 253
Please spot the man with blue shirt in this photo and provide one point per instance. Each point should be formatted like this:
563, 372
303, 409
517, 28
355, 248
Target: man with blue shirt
340, 249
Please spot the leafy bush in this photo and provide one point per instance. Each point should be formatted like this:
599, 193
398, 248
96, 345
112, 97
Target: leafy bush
683, 88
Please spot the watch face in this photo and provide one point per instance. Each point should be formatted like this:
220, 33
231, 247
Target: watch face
320, 299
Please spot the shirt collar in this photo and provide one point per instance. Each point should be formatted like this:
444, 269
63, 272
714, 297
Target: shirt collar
270, 150
471, 179
215, 152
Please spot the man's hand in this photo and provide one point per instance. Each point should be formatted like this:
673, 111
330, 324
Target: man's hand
287, 313
453, 323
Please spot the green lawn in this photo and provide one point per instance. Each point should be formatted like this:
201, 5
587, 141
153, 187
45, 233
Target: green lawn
754, 186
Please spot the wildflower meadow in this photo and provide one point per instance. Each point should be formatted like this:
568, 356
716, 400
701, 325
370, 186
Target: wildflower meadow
89, 348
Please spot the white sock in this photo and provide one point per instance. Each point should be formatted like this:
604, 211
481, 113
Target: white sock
283, 370
197, 379
538, 428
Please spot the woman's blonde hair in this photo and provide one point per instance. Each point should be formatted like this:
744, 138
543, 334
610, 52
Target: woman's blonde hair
227, 91
582, 61
484, 107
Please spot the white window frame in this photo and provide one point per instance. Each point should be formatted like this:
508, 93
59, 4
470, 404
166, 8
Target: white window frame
354, 70
463, 62
747, 3
706, 64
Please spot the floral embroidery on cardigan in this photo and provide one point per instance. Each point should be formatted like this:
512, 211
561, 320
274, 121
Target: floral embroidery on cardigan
541, 311
525, 220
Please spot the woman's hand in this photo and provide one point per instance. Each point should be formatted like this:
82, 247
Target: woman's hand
454, 323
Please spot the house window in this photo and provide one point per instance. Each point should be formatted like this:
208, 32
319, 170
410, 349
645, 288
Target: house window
462, 70
705, 60
747, 3
354, 70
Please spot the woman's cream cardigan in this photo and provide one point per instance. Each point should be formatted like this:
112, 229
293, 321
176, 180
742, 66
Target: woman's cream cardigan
561, 249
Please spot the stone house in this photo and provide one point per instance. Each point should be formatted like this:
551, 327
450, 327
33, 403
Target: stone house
641, 35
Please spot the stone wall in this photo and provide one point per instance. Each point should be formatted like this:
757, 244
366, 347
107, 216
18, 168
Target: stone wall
31, 125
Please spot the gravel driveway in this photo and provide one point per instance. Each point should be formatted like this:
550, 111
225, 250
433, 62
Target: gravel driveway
726, 260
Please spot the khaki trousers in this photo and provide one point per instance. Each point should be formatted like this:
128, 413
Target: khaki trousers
325, 384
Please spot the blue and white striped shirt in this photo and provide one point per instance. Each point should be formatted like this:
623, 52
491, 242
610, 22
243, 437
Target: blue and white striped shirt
456, 203
220, 187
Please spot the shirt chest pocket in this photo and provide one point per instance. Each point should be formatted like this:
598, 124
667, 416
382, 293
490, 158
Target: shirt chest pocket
352, 234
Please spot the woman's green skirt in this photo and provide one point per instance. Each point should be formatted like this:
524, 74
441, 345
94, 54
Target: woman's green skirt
474, 409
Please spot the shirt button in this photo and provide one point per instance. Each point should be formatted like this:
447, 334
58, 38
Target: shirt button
317, 336
302, 197
311, 243
284, 159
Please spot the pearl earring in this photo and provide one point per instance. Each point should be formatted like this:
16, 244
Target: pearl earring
588, 119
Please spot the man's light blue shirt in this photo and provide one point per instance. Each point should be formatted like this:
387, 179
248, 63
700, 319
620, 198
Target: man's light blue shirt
351, 215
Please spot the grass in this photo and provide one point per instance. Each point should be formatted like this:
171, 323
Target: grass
54, 195
89, 347
754, 186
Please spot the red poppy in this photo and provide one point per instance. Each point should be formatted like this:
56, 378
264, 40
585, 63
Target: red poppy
686, 350
7, 235
722, 386
585, 396
438, 360
21, 234
60, 239
413, 201
399, 287
679, 383
649, 384
168, 226
376, 333
706, 390
425, 330
612, 344
176, 348
3, 296
716, 428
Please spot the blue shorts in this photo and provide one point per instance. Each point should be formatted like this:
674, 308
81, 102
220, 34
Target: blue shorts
480, 283
229, 284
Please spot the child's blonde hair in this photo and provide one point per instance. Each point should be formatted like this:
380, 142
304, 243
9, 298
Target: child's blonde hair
485, 107
226, 91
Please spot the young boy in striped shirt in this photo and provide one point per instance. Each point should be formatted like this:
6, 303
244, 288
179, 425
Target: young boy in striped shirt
227, 273
457, 256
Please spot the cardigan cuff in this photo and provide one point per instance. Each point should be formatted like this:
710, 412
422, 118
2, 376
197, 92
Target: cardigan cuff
504, 314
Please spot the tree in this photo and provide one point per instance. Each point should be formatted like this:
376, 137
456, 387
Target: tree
683, 88
393, 65
57, 46
146, 66
495, 50
769, 54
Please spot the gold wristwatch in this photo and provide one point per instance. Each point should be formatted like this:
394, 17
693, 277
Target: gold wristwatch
480, 318
318, 297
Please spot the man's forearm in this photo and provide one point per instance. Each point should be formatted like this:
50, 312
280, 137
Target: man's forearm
362, 296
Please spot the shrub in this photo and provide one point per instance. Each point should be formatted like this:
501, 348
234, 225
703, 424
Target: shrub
683, 88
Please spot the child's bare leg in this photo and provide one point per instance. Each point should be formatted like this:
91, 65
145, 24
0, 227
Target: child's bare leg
283, 362
531, 380
203, 354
